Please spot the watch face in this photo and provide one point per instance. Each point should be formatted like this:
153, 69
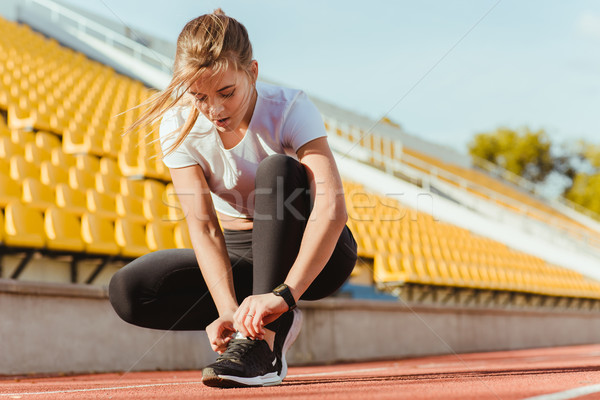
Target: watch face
280, 288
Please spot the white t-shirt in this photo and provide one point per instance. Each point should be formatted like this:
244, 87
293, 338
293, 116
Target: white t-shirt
283, 120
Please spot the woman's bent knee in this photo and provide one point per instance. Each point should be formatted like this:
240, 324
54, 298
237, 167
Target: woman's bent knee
120, 294
134, 290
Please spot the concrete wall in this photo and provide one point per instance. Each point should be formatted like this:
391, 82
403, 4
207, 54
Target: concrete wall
52, 328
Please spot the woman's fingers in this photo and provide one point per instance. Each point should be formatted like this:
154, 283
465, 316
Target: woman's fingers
252, 325
255, 312
248, 323
220, 345
239, 318
248, 320
219, 333
256, 324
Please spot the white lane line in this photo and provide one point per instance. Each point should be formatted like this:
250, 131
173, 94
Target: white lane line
352, 371
98, 389
568, 394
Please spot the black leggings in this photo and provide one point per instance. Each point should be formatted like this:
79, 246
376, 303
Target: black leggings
165, 289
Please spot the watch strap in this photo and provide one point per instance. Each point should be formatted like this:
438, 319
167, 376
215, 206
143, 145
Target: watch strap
284, 291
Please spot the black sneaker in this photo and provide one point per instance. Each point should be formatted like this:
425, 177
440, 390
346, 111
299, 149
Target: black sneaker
289, 327
246, 362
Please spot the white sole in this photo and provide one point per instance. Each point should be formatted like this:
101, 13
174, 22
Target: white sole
269, 379
290, 339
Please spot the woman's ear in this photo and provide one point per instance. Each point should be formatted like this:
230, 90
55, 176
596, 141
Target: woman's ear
254, 70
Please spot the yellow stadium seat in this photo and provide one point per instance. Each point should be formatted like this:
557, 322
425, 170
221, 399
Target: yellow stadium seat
479, 276
455, 275
387, 268
4, 130
4, 167
153, 190
465, 274
160, 236
108, 184
63, 230
175, 211
47, 140
24, 227
131, 238
128, 162
102, 204
21, 169
99, 235
381, 245
432, 271
76, 141
61, 159
156, 210
21, 137
130, 207
444, 272
59, 121
35, 154
132, 187
407, 265
20, 117
87, 162
9, 149
52, 175
81, 179
109, 166
71, 199
181, 235
10, 190
37, 195
422, 275
111, 143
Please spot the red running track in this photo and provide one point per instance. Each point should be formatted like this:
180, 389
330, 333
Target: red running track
554, 374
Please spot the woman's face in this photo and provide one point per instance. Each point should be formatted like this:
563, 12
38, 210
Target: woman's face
227, 99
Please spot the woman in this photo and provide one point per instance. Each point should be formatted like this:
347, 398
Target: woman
264, 205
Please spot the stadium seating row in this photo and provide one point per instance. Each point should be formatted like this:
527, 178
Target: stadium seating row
46, 87
143, 200
415, 248
551, 281
60, 230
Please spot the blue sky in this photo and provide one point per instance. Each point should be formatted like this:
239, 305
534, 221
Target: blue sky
526, 63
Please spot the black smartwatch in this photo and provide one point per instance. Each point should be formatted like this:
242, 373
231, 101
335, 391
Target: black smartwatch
284, 291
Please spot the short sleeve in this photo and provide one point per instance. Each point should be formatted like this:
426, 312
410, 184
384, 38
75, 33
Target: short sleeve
178, 158
302, 124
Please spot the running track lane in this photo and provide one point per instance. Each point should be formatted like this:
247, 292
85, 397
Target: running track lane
542, 374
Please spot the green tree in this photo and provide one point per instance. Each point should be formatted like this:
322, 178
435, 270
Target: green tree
585, 189
525, 153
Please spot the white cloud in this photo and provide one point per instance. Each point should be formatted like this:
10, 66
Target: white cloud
588, 24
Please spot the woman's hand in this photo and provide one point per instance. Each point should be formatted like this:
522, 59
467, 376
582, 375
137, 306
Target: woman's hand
220, 332
257, 311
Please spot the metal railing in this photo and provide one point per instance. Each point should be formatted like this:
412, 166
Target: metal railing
62, 17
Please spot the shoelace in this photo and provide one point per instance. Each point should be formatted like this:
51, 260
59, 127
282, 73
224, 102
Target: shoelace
237, 349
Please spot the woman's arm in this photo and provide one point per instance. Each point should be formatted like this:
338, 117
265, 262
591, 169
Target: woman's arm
206, 235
